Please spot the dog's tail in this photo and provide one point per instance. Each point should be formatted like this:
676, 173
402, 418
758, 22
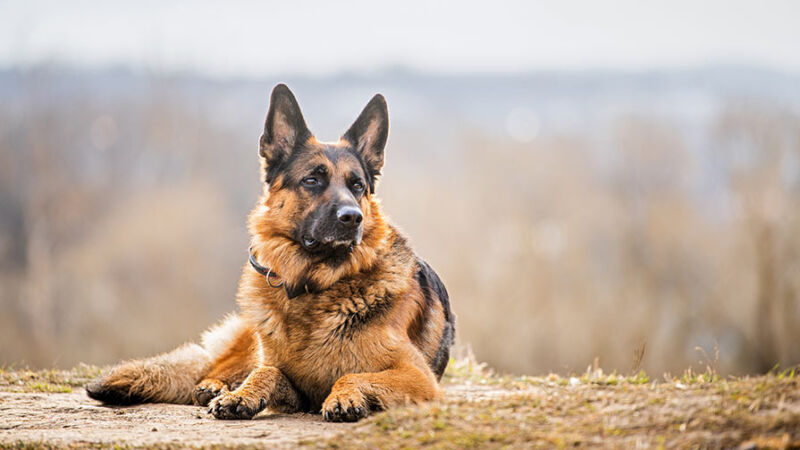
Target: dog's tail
165, 378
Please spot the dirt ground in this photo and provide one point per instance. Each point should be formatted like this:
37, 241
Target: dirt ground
73, 419
481, 410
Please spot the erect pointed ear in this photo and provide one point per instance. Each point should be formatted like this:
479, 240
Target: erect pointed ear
369, 132
284, 129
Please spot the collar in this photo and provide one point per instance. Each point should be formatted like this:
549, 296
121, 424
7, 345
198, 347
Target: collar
266, 271
291, 291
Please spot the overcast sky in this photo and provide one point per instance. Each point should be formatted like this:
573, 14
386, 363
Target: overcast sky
243, 38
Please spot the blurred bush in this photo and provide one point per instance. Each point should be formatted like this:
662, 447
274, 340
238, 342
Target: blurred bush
571, 217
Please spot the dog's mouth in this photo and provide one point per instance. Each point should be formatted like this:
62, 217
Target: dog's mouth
329, 244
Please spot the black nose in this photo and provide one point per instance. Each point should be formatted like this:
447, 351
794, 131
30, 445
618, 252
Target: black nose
349, 215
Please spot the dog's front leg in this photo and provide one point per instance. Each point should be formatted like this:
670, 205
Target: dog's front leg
265, 387
353, 396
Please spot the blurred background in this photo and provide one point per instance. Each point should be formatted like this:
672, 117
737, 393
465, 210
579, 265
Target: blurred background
587, 177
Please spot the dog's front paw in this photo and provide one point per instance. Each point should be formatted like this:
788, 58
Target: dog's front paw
235, 405
206, 390
345, 405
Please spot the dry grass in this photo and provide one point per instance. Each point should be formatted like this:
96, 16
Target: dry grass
594, 409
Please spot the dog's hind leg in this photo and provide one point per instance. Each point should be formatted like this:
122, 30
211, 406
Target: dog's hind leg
172, 377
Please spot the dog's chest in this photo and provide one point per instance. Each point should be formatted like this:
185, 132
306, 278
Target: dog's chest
316, 342
332, 330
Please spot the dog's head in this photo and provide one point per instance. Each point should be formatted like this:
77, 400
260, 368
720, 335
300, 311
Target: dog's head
319, 205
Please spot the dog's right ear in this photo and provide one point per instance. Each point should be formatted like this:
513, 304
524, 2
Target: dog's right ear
284, 129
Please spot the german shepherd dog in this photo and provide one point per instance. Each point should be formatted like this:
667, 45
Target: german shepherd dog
336, 312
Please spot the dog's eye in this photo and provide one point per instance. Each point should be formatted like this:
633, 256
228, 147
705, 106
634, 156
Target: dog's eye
310, 181
358, 185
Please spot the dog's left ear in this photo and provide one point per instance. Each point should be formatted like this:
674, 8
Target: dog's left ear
369, 132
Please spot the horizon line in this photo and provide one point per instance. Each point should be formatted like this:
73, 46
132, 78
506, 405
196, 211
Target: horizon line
394, 70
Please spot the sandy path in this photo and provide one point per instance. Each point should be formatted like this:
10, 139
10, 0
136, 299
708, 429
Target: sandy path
70, 419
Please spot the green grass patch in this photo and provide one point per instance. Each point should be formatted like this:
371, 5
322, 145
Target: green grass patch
50, 380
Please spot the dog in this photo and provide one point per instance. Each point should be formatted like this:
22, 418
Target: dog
336, 312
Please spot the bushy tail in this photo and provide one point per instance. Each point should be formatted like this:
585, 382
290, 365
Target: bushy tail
166, 378
169, 377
